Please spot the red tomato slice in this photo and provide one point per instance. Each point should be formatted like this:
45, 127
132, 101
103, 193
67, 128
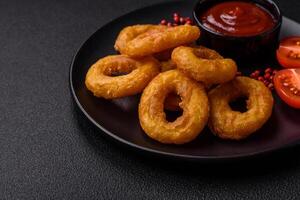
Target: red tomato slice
287, 85
288, 54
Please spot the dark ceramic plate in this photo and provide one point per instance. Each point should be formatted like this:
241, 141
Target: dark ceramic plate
119, 119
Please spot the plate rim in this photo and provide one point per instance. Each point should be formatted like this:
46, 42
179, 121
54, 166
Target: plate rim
151, 151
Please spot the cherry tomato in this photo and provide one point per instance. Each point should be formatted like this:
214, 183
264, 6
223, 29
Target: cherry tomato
288, 54
287, 85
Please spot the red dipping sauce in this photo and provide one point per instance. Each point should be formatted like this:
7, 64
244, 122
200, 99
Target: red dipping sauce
238, 18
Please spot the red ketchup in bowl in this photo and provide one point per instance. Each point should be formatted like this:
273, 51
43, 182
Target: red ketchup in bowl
238, 18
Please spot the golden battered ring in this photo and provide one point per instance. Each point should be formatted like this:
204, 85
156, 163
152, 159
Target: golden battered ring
204, 65
194, 105
234, 125
139, 72
172, 102
167, 65
143, 40
164, 55
128, 33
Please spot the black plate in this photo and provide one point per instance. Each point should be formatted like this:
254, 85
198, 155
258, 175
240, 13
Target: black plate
119, 120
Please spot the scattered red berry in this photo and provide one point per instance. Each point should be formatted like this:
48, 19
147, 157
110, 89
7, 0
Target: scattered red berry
175, 15
177, 20
266, 76
271, 86
181, 19
268, 70
261, 78
189, 22
163, 22
257, 72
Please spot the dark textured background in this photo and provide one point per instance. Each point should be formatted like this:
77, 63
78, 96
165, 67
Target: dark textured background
50, 151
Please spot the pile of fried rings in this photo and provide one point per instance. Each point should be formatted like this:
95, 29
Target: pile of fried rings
171, 72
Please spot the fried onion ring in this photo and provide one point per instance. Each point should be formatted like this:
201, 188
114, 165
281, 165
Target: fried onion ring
172, 102
194, 105
164, 55
204, 65
128, 33
138, 73
167, 65
229, 124
143, 40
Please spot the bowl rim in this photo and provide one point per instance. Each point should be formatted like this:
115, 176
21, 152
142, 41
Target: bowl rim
263, 34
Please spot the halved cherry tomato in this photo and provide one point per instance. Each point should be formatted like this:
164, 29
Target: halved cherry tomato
287, 85
288, 54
